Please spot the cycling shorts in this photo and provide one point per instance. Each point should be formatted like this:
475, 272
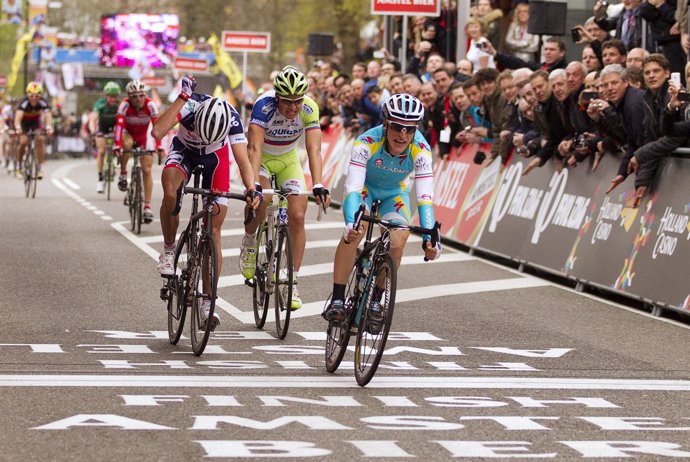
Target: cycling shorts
287, 169
28, 125
394, 207
216, 174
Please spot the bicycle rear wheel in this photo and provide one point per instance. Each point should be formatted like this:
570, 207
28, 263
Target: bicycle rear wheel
283, 278
371, 338
177, 303
338, 334
261, 298
205, 267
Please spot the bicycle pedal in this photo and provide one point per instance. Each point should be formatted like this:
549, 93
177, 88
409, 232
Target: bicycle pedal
165, 294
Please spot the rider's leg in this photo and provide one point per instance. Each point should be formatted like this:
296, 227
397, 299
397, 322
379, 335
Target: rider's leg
297, 208
219, 212
398, 241
146, 162
23, 141
250, 228
172, 178
127, 143
40, 150
100, 155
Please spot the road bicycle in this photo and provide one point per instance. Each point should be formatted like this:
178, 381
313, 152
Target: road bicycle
30, 165
373, 280
109, 164
196, 268
134, 198
274, 264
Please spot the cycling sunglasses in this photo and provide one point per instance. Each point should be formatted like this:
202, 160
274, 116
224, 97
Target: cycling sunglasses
292, 102
400, 127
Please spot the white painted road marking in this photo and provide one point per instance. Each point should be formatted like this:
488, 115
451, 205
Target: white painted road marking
330, 381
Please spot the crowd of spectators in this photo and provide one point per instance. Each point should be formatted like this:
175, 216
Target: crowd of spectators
518, 92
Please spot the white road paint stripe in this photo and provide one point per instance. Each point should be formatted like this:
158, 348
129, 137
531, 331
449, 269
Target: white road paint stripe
138, 242
330, 381
327, 268
240, 231
106, 217
71, 184
441, 290
404, 295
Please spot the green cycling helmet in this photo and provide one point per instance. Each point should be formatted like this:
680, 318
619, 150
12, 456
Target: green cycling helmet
290, 82
112, 89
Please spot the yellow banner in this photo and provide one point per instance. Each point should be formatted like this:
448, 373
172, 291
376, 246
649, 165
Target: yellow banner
19, 53
225, 63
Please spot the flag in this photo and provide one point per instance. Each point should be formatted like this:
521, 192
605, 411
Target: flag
225, 63
19, 52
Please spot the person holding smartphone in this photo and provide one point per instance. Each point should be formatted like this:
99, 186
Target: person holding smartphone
478, 53
658, 104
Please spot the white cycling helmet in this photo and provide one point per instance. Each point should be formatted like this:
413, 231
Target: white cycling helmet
213, 120
403, 107
135, 86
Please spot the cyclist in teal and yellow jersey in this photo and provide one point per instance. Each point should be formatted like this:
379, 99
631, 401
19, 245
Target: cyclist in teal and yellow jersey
102, 122
279, 118
28, 118
382, 159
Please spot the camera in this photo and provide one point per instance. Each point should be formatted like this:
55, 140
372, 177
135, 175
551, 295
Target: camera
480, 45
580, 141
589, 95
683, 96
522, 151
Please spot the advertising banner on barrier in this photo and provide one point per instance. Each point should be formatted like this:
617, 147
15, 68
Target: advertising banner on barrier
329, 148
460, 185
603, 241
656, 264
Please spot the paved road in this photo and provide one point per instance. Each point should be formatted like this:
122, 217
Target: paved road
485, 362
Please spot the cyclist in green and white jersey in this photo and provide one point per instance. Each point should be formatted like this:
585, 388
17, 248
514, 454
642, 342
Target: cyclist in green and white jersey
278, 120
102, 122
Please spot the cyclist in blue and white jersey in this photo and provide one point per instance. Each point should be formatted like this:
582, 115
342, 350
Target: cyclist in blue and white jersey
209, 130
278, 120
382, 159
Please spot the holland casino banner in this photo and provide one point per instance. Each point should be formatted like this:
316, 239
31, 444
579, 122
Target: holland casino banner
563, 221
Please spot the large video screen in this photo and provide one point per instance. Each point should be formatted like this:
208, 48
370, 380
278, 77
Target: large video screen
126, 39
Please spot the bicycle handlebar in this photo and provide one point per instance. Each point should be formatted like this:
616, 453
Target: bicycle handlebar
139, 152
434, 232
288, 192
229, 195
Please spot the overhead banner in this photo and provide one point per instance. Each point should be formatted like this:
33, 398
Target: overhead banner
406, 7
257, 42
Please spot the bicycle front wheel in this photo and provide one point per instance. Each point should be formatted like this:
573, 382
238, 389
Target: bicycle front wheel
373, 333
109, 172
178, 284
204, 284
30, 173
139, 201
261, 298
283, 278
338, 334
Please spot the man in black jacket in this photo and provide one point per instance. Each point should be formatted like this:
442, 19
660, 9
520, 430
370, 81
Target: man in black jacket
656, 70
622, 111
547, 118
553, 52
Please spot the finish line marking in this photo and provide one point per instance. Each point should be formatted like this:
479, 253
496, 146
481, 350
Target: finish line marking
310, 382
